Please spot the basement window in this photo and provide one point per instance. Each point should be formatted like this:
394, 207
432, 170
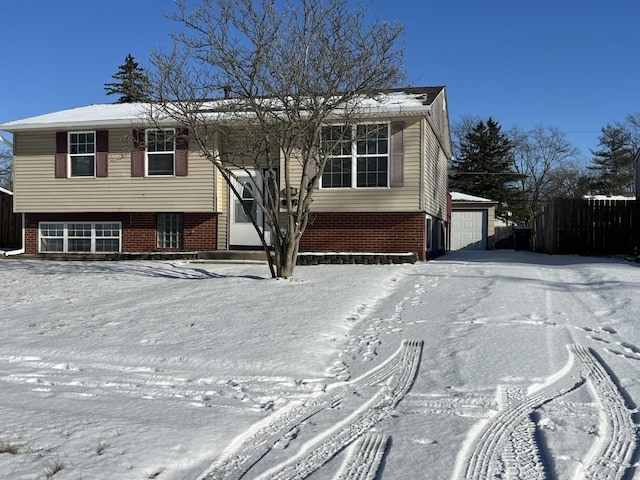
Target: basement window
79, 237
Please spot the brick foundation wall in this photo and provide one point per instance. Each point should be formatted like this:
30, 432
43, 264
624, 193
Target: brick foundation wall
200, 231
138, 230
365, 232
30, 238
139, 235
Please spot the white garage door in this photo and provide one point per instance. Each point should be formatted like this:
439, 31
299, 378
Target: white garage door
468, 230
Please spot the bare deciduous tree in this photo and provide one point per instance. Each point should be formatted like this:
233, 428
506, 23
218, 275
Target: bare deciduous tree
632, 126
539, 156
6, 168
287, 70
570, 180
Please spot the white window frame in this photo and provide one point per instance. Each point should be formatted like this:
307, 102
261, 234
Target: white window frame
63, 232
71, 156
429, 233
354, 157
171, 134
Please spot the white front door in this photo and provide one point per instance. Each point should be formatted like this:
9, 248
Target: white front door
242, 233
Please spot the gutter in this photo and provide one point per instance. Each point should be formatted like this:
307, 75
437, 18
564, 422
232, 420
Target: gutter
19, 251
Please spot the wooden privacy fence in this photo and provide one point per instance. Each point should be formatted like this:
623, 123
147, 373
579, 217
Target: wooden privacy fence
10, 223
504, 238
588, 227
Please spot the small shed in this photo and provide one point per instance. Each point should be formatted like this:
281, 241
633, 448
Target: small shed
472, 222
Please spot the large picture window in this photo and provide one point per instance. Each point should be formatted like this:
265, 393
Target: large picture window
357, 156
82, 154
80, 237
161, 152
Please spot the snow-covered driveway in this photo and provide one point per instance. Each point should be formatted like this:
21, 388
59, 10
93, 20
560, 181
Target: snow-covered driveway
473, 366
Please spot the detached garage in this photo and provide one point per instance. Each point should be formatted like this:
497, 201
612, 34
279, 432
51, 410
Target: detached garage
472, 222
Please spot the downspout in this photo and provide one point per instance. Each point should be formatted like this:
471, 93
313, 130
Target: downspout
422, 201
19, 251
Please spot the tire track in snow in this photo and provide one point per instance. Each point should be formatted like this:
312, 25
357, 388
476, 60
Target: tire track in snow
364, 458
399, 371
325, 446
610, 456
506, 444
488, 457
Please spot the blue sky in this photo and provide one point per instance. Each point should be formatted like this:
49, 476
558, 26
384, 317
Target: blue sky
563, 63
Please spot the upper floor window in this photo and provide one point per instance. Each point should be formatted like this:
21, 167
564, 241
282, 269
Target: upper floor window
357, 156
161, 152
82, 154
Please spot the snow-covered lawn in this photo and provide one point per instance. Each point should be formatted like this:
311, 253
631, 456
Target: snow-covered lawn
476, 365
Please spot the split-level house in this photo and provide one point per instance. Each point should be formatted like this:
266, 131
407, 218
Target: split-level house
95, 180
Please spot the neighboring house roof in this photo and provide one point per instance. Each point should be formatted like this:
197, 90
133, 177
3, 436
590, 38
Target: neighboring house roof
5, 191
396, 102
463, 197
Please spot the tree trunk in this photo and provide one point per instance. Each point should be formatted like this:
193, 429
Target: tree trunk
285, 259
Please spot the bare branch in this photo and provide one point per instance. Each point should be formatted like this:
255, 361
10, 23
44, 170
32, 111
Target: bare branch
256, 81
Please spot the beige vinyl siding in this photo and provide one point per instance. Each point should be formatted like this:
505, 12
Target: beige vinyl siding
435, 177
242, 146
491, 228
438, 118
396, 199
437, 151
38, 191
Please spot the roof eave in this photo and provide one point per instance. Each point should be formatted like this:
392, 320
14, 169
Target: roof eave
83, 124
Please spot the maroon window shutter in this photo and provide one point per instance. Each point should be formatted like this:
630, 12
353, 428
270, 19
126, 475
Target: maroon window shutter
137, 155
102, 153
182, 152
396, 157
62, 149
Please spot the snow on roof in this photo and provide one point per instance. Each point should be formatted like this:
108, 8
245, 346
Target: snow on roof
392, 102
608, 197
96, 115
463, 197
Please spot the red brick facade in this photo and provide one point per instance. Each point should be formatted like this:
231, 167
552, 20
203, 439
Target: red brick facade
365, 232
200, 230
138, 229
326, 232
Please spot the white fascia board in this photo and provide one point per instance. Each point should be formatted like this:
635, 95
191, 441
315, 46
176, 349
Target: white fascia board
92, 124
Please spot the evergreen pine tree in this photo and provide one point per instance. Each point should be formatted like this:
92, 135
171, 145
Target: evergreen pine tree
485, 167
613, 163
132, 82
